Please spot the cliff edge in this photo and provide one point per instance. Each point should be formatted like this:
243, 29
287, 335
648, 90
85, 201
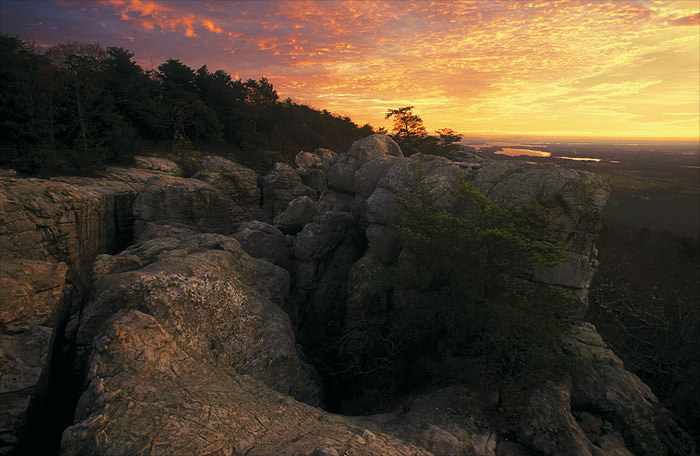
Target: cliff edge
174, 307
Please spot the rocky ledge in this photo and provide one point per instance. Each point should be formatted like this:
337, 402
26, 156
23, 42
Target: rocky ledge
165, 312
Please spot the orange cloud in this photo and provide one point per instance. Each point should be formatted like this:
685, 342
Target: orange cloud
688, 20
165, 16
209, 25
604, 67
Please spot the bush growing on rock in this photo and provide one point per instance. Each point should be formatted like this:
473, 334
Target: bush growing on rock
462, 305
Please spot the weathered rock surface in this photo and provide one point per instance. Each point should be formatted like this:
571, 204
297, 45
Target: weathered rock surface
312, 167
342, 167
298, 213
31, 306
601, 384
221, 304
185, 202
262, 240
237, 182
446, 422
157, 164
184, 349
50, 231
280, 186
148, 394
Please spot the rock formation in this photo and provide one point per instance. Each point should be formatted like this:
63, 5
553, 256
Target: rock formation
174, 305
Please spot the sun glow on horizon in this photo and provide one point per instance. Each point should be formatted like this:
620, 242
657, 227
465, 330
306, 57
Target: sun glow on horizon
593, 69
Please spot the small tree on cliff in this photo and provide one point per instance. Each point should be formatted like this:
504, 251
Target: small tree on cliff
412, 136
406, 123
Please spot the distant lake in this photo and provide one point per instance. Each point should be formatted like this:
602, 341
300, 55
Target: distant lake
581, 159
513, 152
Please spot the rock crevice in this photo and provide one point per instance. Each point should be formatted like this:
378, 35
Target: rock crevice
183, 300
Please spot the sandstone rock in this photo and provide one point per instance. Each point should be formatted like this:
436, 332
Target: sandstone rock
369, 174
335, 201
571, 201
298, 213
446, 422
318, 239
157, 164
599, 382
183, 336
382, 207
50, 231
31, 292
312, 167
341, 169
280, 186
262, 240
25, 356
62, 222
552, 429
324, 451
222, 304
236, 181
439, 442
147, 394
187, 202
319, 158
383, 243
32, 306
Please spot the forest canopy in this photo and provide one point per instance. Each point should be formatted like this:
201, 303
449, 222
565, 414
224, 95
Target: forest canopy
77, 107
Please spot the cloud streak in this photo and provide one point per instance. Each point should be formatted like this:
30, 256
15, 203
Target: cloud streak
571, 67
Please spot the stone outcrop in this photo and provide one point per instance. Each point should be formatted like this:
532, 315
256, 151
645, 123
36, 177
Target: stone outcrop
183, 342
280, 186
31, 309
50, 233
148, 394
220, 304
312, 168
262, 240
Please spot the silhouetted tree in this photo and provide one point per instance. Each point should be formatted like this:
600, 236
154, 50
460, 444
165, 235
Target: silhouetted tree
28, 99
187, 117
406, 123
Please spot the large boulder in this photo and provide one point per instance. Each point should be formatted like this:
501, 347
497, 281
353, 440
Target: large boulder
342, 168
280, 186
298, 213
235, 181
147, 393
222, 305
312, 167
157, 164
186, 202
262, 240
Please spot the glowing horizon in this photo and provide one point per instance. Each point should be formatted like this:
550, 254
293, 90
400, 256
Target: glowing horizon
602, 69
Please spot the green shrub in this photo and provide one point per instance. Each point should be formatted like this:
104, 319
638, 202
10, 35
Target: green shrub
191, 166
461, 306
234, 180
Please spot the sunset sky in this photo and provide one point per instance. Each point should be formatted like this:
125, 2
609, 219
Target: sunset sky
549, 68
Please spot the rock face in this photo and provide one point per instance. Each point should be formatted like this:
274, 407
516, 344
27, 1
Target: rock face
184, 342
147, 394
221, 305
49, 233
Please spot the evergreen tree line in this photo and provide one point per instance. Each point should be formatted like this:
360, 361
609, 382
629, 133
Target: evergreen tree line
77, 107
